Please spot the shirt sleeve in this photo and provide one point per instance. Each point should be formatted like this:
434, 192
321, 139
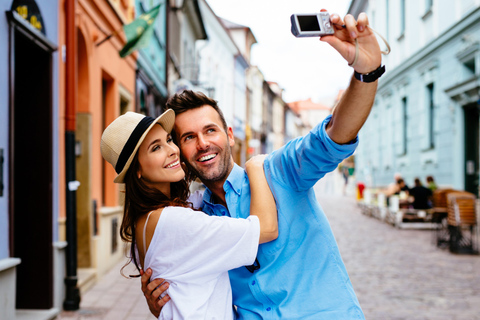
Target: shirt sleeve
196, 199
190, 245
303, 161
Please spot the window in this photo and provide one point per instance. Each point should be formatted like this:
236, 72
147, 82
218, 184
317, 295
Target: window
470, 67
428, 5
387, 20
402, 17
124, 104
114, 234
105, 88
430, 115
404, 126
428, 11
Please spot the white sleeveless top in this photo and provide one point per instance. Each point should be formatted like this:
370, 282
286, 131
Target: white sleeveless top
193, 252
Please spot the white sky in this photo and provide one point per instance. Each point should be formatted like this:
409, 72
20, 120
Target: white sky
304, 67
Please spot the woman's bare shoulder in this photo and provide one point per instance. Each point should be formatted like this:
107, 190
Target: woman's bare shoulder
153, 218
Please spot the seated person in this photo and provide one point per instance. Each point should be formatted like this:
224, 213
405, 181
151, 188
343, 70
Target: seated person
396, 187
431, 184
421, 196
402, 186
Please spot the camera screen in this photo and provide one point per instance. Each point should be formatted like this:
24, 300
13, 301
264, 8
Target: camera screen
308, 23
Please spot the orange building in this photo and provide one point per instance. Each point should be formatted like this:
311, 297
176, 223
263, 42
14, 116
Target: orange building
95, 88
310, 112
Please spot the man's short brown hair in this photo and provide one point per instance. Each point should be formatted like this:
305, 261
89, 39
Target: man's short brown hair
189, 100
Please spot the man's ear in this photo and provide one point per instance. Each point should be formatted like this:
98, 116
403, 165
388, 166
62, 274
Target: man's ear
231, 138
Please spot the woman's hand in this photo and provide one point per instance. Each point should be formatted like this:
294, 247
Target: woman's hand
255, 162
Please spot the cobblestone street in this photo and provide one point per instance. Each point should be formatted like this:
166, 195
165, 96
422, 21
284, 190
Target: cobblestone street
400, 274
397, 274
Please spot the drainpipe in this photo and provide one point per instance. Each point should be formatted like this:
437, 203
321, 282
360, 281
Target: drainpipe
72, 295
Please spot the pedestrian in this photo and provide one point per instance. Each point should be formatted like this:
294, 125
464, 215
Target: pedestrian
345, 175
300, 275
193, 251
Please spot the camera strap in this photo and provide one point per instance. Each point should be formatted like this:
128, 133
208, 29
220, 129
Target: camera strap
384, 52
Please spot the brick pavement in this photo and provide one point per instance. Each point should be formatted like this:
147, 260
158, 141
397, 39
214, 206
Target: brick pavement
113, 297
397, 274
400, 274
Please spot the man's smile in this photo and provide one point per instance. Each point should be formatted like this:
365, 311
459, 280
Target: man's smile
207, 157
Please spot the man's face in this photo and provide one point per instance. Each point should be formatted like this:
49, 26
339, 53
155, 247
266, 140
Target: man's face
204, 144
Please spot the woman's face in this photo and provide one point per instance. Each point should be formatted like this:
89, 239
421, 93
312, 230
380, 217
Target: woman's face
159, 160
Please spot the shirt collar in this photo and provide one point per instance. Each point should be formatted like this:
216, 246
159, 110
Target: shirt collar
233, 182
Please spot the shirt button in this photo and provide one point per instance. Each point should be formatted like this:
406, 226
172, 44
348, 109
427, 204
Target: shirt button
268, 309
253, 282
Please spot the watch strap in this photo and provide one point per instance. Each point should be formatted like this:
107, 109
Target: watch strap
371, 76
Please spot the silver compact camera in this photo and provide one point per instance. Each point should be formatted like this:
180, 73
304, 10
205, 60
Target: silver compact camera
311, 25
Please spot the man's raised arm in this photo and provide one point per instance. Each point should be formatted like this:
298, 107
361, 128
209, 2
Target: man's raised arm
352, 110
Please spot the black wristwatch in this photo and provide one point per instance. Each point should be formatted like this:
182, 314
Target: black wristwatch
370, 77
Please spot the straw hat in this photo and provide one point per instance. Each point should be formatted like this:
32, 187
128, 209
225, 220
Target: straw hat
122, 138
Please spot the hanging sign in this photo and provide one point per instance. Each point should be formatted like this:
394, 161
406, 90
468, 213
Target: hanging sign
29, 11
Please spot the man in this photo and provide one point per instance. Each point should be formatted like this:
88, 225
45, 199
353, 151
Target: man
301, 274
422, 196
402, 186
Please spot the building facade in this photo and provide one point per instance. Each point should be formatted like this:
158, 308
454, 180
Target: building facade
277, 135
98, 88
222, 75
185, 27
30, 250
151, 87
425, 120
255, 120
305, 115
61, 86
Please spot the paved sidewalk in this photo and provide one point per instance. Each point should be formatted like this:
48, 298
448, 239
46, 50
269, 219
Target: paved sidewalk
400, 274
113, 297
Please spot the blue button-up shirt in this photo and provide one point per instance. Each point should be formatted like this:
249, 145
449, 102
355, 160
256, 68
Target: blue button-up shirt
302, 275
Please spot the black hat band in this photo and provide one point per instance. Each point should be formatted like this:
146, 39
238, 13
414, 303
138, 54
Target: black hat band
132, 142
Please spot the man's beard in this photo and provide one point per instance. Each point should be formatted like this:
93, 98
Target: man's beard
213, 174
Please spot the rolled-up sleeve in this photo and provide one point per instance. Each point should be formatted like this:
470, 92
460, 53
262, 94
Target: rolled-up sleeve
303, 161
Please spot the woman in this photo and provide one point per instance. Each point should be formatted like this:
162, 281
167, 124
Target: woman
190, 250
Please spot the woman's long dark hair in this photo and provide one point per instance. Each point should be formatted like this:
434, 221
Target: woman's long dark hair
140, 199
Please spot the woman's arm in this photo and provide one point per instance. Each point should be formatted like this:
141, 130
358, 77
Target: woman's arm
262, 203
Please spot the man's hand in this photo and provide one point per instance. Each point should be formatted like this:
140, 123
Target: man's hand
369, 56
152, 290
352, 110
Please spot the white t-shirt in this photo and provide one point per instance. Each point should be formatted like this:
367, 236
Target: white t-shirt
193, 252
196, 198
